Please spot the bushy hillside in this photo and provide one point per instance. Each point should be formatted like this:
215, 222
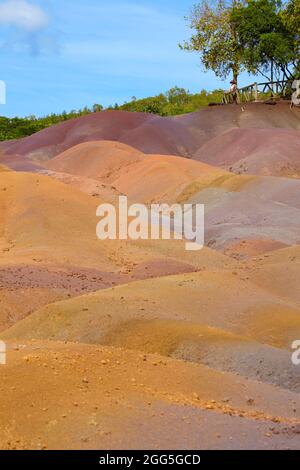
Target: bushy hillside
175, 101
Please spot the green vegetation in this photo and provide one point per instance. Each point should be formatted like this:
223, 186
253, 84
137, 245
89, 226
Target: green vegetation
214, 37
15, 128
175, 101
231, 36
257, 36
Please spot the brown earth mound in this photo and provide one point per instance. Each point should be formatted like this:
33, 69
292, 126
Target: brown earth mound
141, 177
250, 213
83, 397
231, 331
95, 159
212, 122
181, 135
141, 344
255, 151
20, 163
49, 248
146, 132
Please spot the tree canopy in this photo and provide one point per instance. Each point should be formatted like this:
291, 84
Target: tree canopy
259, 36
215, 37
269, 45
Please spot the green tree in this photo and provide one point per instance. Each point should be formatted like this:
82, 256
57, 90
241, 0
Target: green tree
291, 17
267, 43
215, 37
178, 96
291, 20
97, 108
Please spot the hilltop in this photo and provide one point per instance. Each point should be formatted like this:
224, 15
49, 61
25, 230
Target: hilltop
175, 101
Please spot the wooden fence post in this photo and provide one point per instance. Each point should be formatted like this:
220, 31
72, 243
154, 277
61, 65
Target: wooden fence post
255, 91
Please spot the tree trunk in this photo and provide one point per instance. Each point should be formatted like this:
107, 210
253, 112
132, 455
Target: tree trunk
235, 74
272, 77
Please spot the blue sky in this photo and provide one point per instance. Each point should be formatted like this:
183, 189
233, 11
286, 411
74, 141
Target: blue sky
64, 54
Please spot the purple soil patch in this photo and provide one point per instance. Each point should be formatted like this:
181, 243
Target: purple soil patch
78, 281
158, 268
255, 151
197, 135
181, 135
146, 132
75, 281
265, 208
20, 163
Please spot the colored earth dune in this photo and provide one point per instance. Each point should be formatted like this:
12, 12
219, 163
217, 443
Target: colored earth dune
141, 344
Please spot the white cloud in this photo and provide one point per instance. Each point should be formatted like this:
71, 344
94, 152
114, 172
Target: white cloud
23, 15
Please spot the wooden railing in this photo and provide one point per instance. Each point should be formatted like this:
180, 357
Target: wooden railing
257, 92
